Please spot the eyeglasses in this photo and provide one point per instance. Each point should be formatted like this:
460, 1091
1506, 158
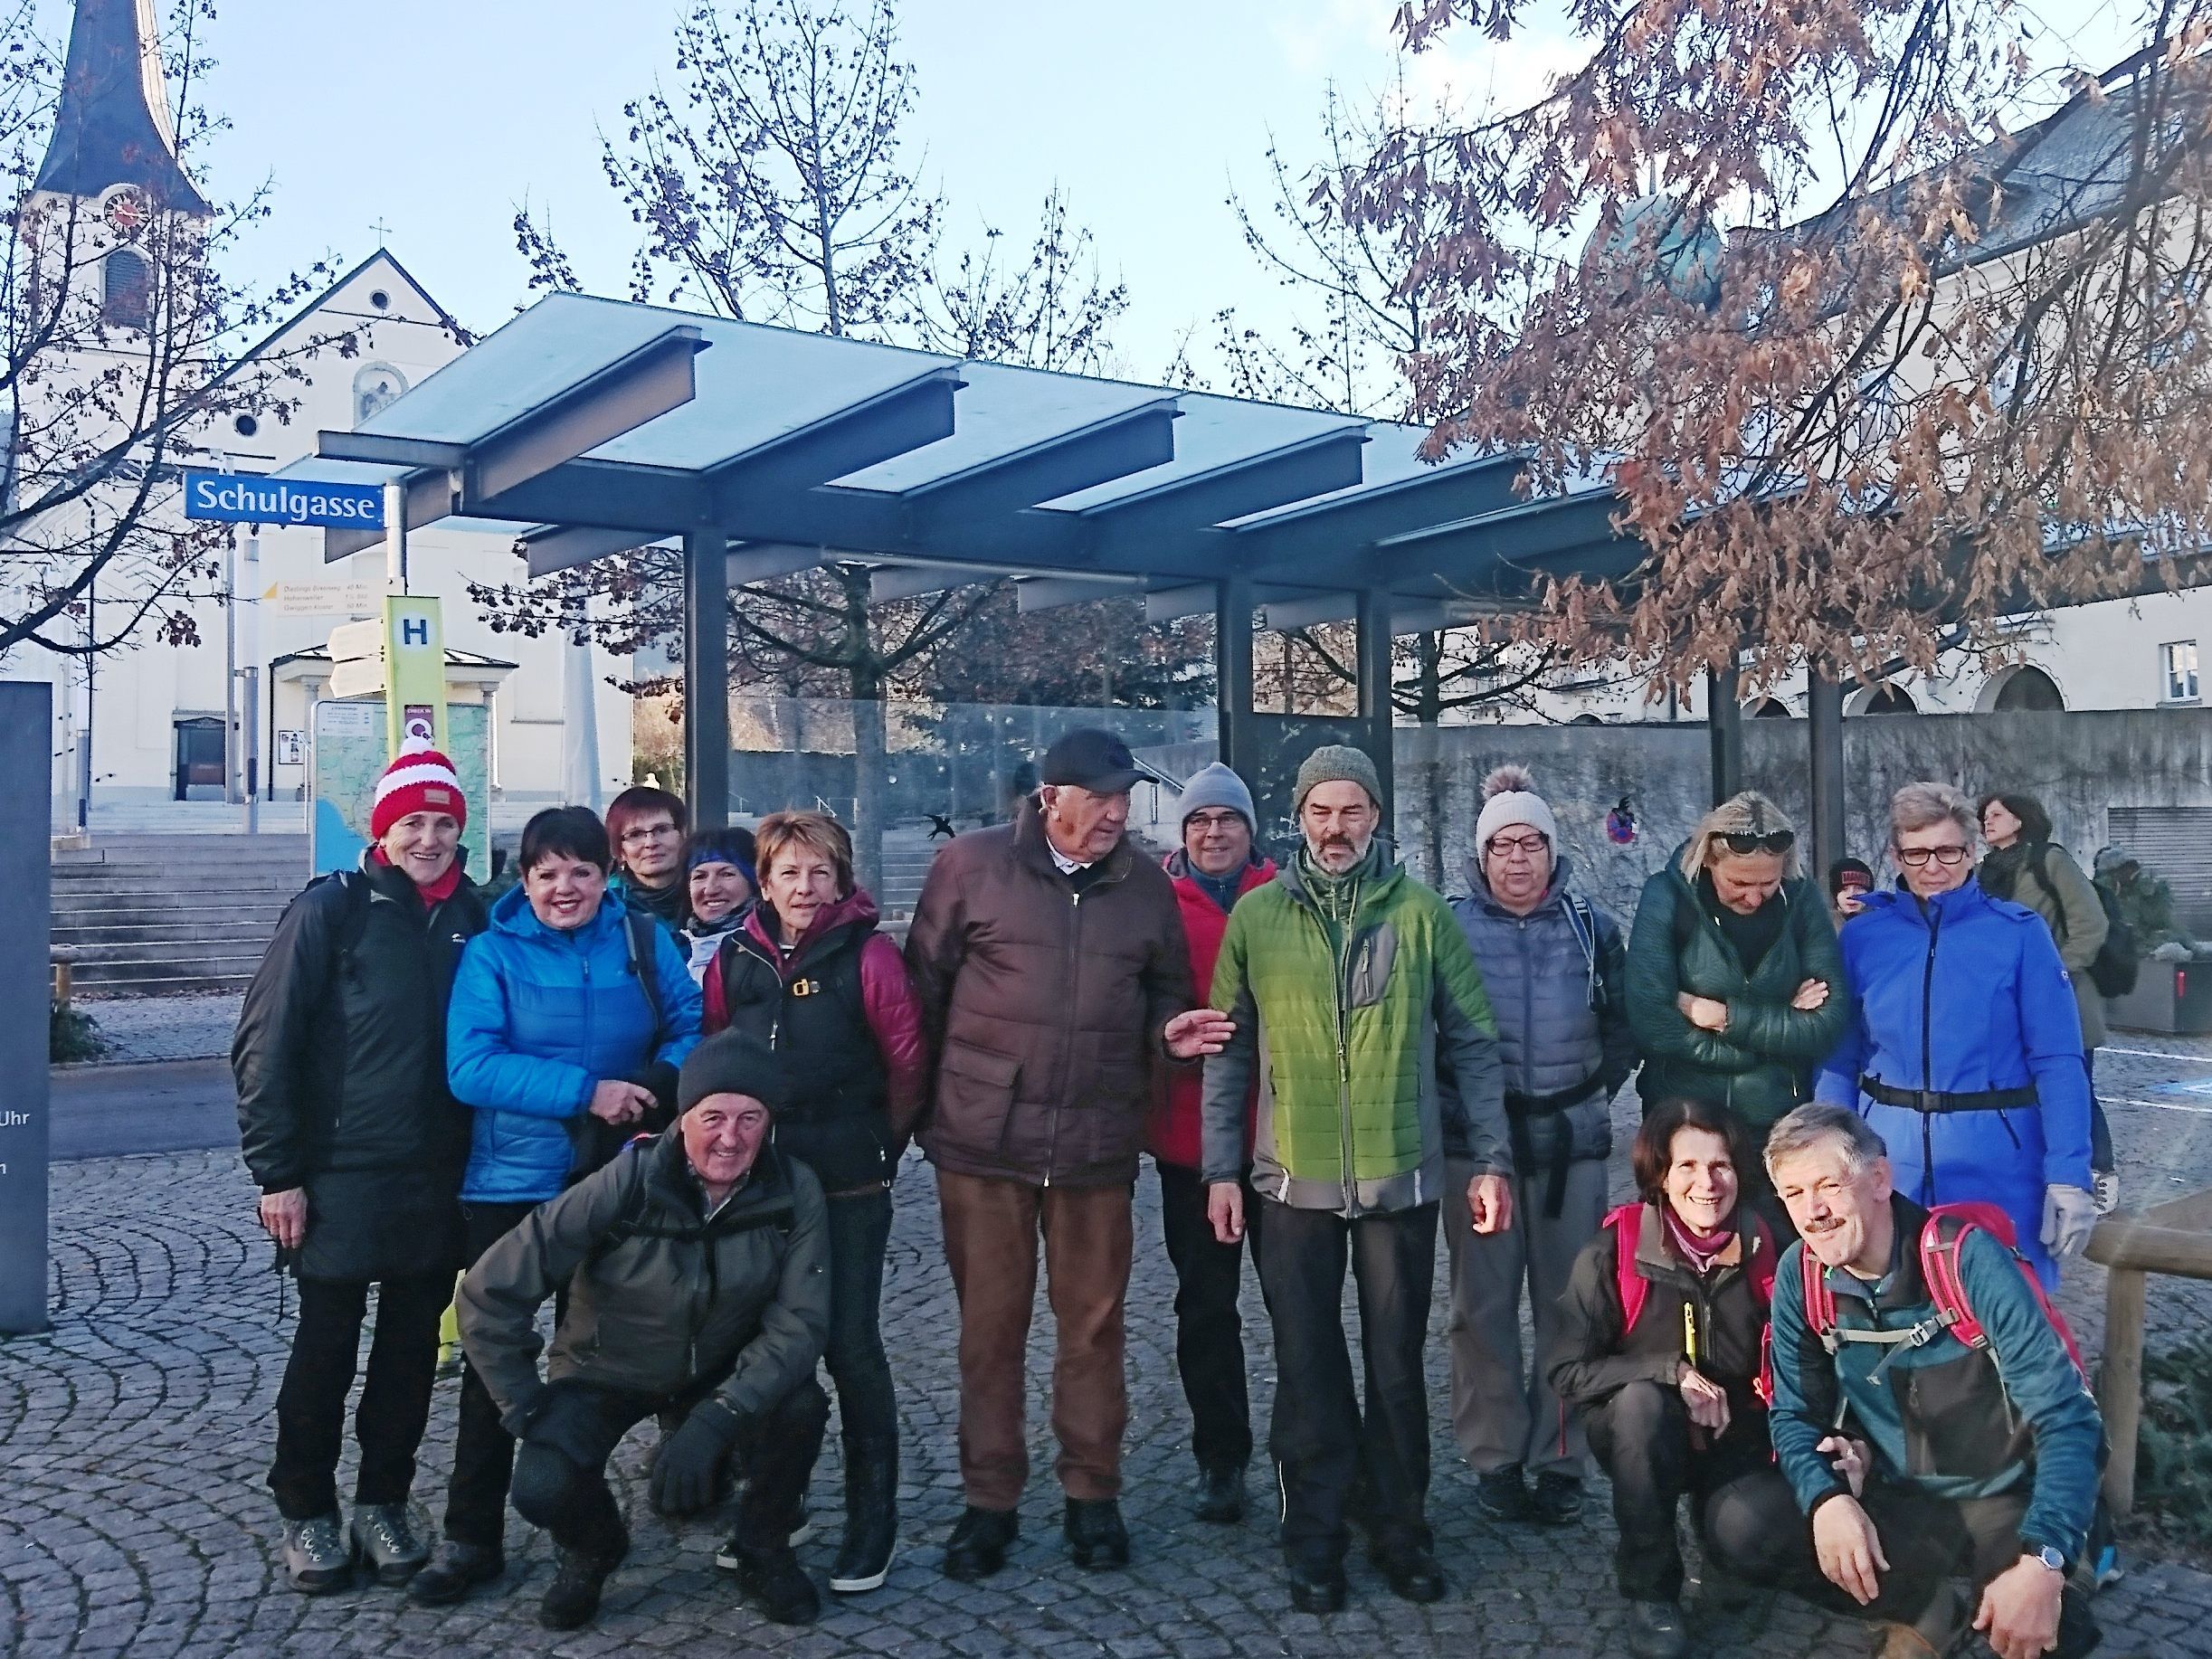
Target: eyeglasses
1774, 840
1213, 821
648, 832
1917, 856
1501, 845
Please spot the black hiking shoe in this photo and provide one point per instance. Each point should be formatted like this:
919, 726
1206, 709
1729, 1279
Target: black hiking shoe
1656, 1631
1095, 1533
978, 1542
572, 1599
1502, 1495
1410, 1571
1558, 1499
1316, 1587
455, 1569
773, 1581
1221, 1494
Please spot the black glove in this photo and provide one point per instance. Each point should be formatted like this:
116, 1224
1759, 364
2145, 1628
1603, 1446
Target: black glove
688, 1467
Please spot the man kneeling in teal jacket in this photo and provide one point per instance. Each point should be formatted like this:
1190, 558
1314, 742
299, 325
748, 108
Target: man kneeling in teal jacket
1921, 1458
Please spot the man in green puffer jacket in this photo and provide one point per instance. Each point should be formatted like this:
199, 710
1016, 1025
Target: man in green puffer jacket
1346, 979
1735, 986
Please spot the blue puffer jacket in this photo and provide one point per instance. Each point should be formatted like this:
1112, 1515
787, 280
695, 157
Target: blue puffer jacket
539, 1018
1967, 995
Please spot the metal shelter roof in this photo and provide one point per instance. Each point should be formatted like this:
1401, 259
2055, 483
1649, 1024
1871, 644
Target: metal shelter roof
595, 425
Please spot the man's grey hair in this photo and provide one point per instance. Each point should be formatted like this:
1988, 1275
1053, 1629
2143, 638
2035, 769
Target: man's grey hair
1812, 1125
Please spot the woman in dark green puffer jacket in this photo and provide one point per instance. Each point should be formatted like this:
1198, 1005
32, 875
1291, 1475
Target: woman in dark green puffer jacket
1735, 987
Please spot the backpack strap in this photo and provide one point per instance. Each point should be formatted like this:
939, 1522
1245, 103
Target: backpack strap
1940, 1241
1628, 1224
639, 931
1819, 1299
1583, 924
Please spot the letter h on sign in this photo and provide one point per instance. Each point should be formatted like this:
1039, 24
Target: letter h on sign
414, 630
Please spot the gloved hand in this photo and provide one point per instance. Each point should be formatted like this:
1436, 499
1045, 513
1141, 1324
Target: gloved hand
689, 1463
2068, 1214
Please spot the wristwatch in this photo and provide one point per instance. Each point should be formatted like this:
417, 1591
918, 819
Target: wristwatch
2048, 1557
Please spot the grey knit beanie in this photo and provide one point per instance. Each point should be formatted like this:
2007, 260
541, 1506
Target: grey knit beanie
1511, 798
1215, 786
1336, 763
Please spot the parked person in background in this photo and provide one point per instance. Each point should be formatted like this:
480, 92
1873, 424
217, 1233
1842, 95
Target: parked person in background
1356, 983
1736, 990
1850, 880
2024, 865
1977, 1458
807, 975
1663, 1333
1556, 971
722, 886
1964, 1052
1216, 866
1052, 972
569, 1017
349, 1130
645, 826
697, 1265
2146, 905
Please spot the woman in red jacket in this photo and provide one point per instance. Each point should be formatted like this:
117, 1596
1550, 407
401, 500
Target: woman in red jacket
1216, 866
808, 975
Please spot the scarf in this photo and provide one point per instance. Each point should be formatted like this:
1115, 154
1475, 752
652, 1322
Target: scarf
2001, 867
436, 892
1701, 1250
671, 903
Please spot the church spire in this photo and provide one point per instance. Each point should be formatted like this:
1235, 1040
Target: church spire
113, 124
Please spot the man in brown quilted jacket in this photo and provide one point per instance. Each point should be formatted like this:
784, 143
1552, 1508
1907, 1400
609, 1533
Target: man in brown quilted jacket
1048, 955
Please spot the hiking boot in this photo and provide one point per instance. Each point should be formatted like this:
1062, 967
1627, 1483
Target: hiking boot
773, 1581
455, 1569
1316, 1587
1410, 1571
730, 1557
1501, 1495
1656, 1631
871, 1519
385, 1541
1094, 1534
1221, 1494
572, 1599
1557, 1501
316, 1559
978, 1542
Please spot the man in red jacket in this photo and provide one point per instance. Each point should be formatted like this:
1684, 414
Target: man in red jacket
1216, 864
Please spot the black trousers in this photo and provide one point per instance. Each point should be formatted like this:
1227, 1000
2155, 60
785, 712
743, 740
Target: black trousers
1209, 1330
561, 1473
1929, 1542
483, 1451
1322, 1440
1642, 1437
395, 1398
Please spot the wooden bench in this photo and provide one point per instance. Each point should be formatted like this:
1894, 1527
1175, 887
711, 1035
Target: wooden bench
2173, 1237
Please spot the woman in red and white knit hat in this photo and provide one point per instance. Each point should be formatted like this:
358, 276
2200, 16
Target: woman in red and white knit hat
357, 1146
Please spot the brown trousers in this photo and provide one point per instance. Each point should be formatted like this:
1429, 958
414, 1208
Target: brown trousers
991, 1232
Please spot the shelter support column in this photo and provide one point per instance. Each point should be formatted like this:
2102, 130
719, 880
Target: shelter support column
706, 700
1724, 727
1232, 669
1824, 719
1373, 673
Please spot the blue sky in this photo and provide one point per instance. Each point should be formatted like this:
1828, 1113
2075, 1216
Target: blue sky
438, 117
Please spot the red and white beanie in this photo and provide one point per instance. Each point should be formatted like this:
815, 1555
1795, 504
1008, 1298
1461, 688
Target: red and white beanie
418, 780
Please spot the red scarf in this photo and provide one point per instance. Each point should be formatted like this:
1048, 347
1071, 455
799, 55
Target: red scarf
434, 893
1702, 1249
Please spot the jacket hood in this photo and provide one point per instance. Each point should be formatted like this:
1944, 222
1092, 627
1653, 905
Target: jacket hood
513, 914
1961, 901
857, 908
1478, 886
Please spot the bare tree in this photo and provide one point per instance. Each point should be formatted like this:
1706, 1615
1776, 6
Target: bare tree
1885, 328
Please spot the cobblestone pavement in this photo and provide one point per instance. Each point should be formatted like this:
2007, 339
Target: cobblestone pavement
134, 1438
184, 1027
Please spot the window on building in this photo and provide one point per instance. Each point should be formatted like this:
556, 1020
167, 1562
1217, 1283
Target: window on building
127, 291
2177, 662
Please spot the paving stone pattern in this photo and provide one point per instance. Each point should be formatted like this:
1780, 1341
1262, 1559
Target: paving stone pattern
182, 1028
134, 1438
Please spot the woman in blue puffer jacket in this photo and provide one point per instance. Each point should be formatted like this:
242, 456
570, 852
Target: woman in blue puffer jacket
562, 1046
1965, 1051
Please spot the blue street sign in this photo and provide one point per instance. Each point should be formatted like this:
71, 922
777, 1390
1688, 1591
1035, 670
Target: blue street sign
250, 497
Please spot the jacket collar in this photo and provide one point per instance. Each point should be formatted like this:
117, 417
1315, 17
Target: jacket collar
1257, 872
669, 1178
1961, 901
1387, 874
857, 910
513, 914
1655, 1249
1478, 888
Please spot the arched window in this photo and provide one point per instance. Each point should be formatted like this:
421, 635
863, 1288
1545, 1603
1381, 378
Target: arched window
1889, 700
376, 384
1769, 708
127, 289
2028, 689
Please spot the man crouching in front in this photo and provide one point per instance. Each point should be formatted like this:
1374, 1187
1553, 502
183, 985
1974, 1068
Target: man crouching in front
700, 1293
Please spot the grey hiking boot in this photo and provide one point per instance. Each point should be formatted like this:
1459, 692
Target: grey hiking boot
384, 1538
316, 1559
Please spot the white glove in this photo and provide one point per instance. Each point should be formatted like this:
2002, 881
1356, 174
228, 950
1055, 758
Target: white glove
2068, 1214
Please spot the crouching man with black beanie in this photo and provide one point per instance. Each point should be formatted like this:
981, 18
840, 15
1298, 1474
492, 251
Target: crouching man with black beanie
700, 1293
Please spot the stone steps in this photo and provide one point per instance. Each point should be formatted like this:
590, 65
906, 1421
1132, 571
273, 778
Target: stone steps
156, 914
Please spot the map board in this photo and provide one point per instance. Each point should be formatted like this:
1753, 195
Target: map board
348, 756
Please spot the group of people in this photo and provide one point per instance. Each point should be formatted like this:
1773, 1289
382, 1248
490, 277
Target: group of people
667, 1084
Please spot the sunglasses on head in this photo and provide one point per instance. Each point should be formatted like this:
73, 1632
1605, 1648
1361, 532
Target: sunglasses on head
1773, 840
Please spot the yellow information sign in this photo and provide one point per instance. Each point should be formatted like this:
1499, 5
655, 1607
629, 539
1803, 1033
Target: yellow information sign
414, 671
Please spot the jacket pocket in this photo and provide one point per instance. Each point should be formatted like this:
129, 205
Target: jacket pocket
1956, 1419
1373, 955
975, 1093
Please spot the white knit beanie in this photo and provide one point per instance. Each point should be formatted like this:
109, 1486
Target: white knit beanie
1509, 798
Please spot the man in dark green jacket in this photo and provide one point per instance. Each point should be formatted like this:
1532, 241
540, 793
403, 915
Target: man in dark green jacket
1352, 979
697, 1267
1736, 987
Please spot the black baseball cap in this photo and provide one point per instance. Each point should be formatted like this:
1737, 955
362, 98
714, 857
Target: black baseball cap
1091, 758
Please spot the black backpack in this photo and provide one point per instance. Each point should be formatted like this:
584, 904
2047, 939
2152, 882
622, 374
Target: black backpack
2118, 964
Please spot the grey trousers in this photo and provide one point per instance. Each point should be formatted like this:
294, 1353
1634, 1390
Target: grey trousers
1504, 1410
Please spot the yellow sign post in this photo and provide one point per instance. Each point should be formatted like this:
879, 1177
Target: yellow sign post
413, 671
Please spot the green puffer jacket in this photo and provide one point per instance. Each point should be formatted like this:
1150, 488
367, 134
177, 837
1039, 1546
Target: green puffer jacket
1762, 1066
1345, 1017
